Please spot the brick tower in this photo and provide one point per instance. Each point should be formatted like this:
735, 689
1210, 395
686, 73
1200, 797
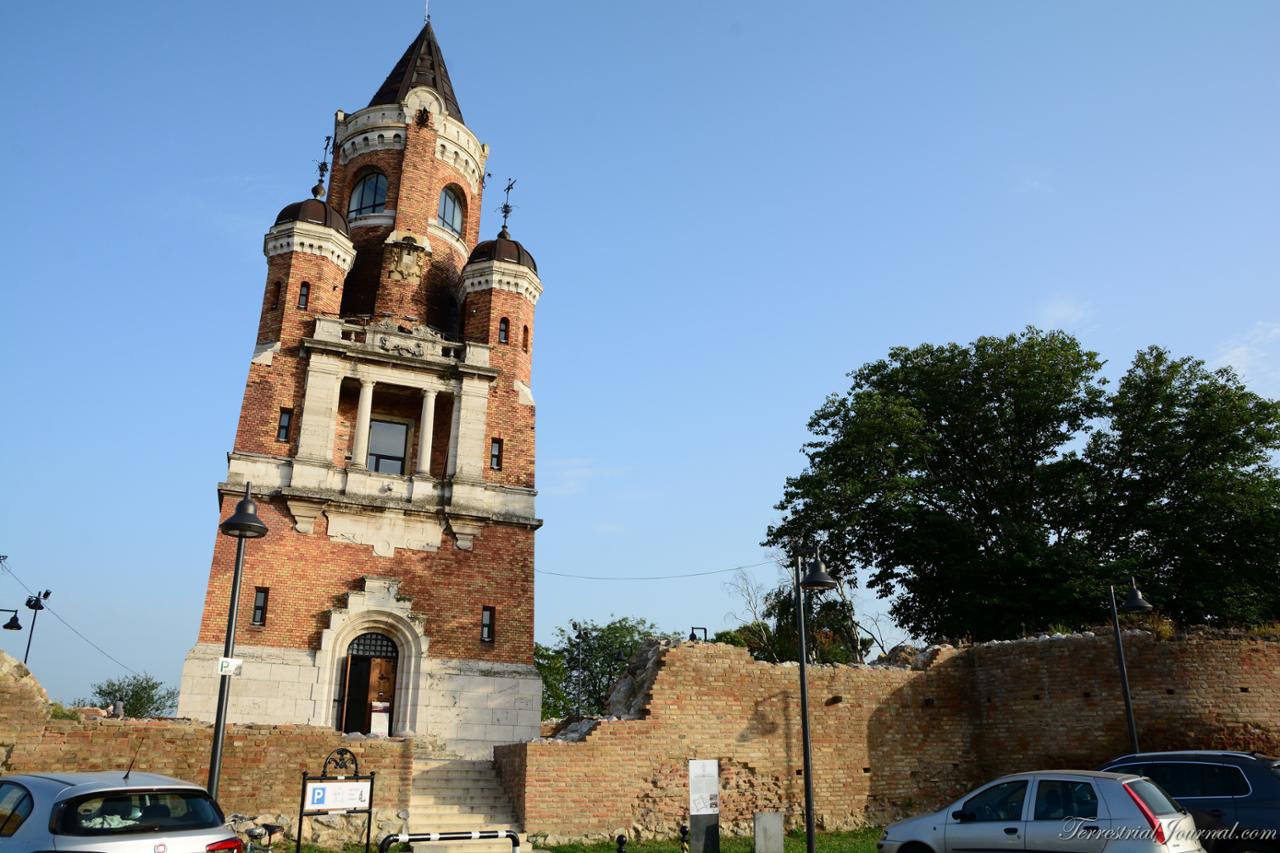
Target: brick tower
388, 433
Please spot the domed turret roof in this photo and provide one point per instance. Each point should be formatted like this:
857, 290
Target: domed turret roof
503, 249
314, 210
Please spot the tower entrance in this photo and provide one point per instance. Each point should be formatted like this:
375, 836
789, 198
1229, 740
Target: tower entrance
369, 684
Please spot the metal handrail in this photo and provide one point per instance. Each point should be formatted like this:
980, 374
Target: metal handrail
475, 835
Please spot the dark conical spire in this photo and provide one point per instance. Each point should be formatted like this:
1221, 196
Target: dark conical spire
421, 65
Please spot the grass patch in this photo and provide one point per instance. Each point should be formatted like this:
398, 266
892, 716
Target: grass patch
856, 841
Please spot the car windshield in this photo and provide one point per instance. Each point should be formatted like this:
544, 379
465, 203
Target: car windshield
124, 812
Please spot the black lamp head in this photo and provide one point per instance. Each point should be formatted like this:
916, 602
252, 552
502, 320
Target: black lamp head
1134, 602
693, 636
244, 522
13, 624
816, 578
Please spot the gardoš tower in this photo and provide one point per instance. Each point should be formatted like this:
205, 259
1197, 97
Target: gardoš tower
388, 431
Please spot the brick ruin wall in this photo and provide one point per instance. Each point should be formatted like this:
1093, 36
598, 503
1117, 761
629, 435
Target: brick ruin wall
261, 766
887, 742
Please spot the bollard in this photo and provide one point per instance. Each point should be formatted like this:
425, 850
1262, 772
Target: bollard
684, 839
622, 843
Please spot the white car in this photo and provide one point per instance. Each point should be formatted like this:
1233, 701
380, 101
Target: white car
1052, 811
110, 813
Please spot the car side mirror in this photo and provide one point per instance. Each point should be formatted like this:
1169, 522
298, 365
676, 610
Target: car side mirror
962, 815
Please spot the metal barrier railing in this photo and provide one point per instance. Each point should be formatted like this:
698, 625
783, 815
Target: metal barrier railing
478, 835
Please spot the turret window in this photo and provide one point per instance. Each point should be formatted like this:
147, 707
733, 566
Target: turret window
275, 296
304, 295
504, 331
451, 210
369, 195
495, 454
524, 339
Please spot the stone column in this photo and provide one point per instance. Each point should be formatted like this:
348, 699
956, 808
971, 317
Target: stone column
360, 453
451, 467
426, 424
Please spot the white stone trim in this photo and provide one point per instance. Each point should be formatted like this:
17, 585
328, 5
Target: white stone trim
359, 132
501, 275
378, 608
434, 228
385, 529
312, 239
381, 219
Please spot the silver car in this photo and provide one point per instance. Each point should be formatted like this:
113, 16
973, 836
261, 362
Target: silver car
110, 813
1052, 811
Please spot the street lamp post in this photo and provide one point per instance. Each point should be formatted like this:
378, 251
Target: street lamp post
243, 524
815, 580
1133, 603
35, 603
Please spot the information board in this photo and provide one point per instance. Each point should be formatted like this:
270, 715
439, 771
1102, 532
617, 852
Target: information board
704, 787
337, 796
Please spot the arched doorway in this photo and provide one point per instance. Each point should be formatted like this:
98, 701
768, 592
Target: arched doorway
369, 684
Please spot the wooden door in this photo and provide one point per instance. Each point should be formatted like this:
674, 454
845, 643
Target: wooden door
382, 681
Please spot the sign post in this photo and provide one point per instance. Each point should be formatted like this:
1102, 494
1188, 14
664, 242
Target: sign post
704, 806
335, 792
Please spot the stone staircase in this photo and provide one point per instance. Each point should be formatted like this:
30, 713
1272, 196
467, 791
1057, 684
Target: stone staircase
458, 795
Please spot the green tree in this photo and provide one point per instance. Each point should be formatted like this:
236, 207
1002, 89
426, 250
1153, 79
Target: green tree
143, 696
580, 669
995, 488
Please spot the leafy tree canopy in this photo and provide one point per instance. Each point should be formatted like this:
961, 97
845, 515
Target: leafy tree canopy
143, 696
998, 487
580, 669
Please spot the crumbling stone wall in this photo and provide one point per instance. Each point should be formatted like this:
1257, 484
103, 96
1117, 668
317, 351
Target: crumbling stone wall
887, 741
261, 768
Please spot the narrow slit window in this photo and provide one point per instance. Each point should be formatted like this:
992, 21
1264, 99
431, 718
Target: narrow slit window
495, 454
260, 605
304, 295
282, 428
504, 331
275, 296
524, 339
486, 624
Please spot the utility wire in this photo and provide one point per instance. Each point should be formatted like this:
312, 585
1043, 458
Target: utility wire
651, 577
4, 563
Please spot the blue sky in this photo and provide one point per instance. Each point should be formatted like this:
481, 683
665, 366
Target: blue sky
732, 204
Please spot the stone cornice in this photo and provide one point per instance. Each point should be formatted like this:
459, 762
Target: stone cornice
312, 239
501, 275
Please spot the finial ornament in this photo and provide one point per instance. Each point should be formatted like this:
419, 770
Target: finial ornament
322, 167
506, 205
426, 11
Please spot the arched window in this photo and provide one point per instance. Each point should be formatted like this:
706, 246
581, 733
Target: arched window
504, 331
451, 210
304, 295
369, 195
524, 339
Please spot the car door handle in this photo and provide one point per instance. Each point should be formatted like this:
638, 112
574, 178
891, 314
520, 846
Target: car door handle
1011, 830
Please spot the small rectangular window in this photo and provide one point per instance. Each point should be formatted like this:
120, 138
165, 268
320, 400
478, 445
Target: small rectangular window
387, 443
486, 624
495, 454
260, 605
304, 294
282, 428
275, 296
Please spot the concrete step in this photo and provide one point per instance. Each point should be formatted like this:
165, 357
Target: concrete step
454, 772
439, 808
500, 845
458, 796
417, 824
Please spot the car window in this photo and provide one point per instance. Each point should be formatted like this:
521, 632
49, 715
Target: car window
124, 812
999, 802
15, 805
1178, 778
1057, 799
1222, 780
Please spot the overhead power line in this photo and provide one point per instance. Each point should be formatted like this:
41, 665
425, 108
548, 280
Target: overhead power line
4, 563
652, 577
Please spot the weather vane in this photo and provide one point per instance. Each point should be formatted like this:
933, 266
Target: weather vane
506, 205
322, 167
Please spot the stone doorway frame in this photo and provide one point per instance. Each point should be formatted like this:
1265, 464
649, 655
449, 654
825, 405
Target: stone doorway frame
380, 609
